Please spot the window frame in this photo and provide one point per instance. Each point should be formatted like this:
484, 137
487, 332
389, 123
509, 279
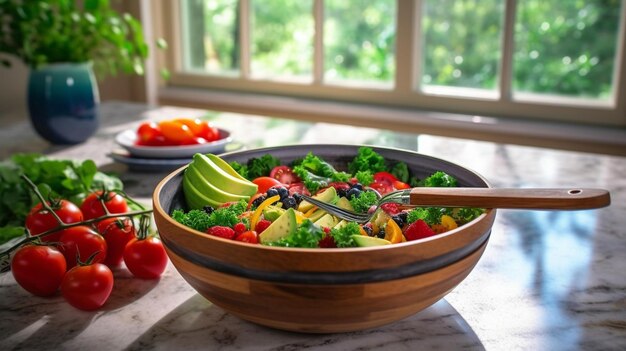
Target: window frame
407, 93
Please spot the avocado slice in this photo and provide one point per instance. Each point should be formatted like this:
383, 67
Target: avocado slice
221, 179
327, 195
283, 226
326, 220
195, 199
271, 213
344, 203
366, 241
225, 166
341, 224
209, 190
317, 215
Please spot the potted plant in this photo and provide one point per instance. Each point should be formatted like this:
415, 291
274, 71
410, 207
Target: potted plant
64, 42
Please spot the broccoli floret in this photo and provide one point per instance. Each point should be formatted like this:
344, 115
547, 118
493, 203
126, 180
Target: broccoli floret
367, 160
201, 220
430, 215
343, 235
364, 201
401, 171
261, 166
440, 179
464, 215
241, 169
364, 177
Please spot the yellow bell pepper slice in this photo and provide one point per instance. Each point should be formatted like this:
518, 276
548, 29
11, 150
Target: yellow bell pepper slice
259, 210
448, 222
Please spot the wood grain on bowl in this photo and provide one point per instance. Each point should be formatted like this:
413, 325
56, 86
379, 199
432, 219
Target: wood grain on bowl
323, 290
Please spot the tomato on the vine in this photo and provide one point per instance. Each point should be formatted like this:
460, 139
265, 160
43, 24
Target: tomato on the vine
87, 287
145, 258
114, 202
40, 220
38, 269
265, 183
82, 242
284, 174
117, 232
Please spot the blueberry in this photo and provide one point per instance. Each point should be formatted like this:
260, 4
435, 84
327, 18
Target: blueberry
399, 221
368, 229
403, 216
354, 192
357, 186
283, 192
342, 192
381, 233
208, 209
258, 200
289, 202
272, 192
297, 197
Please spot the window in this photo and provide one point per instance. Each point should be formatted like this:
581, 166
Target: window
545, 59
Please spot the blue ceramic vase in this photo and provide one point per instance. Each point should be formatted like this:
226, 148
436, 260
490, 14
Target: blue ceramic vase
63, 102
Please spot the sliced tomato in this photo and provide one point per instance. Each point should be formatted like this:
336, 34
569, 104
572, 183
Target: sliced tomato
400, 185
382, 188
298, 188
265, 183
384, 177
284, 174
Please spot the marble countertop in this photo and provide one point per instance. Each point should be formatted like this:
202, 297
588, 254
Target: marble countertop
548, 280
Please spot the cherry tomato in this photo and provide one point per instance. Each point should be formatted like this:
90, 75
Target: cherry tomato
92, 207
38, 269
87, 287
284, 175
249, 236
209, 132
400, 185
298, 188
149, 133
82, 242
265, 183
176, 132
384, 177
195, 125
382, 188
117, 232
145, 258
40, 220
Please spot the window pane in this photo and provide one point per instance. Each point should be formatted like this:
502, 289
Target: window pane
566, 47
211, 35
282, 38
462, 43
359, 40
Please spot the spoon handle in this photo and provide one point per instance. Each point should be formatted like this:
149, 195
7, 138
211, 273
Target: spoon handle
529, 198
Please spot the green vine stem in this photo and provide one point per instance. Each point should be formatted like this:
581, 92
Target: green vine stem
62, 225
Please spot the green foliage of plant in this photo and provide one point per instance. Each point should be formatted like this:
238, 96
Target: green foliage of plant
43, 32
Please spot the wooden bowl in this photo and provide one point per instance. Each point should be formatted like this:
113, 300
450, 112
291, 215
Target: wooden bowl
323, 290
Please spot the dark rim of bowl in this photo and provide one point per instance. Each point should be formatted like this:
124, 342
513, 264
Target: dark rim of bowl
331, 278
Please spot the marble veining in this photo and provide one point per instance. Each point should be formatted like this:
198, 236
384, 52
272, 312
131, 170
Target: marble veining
547, 280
